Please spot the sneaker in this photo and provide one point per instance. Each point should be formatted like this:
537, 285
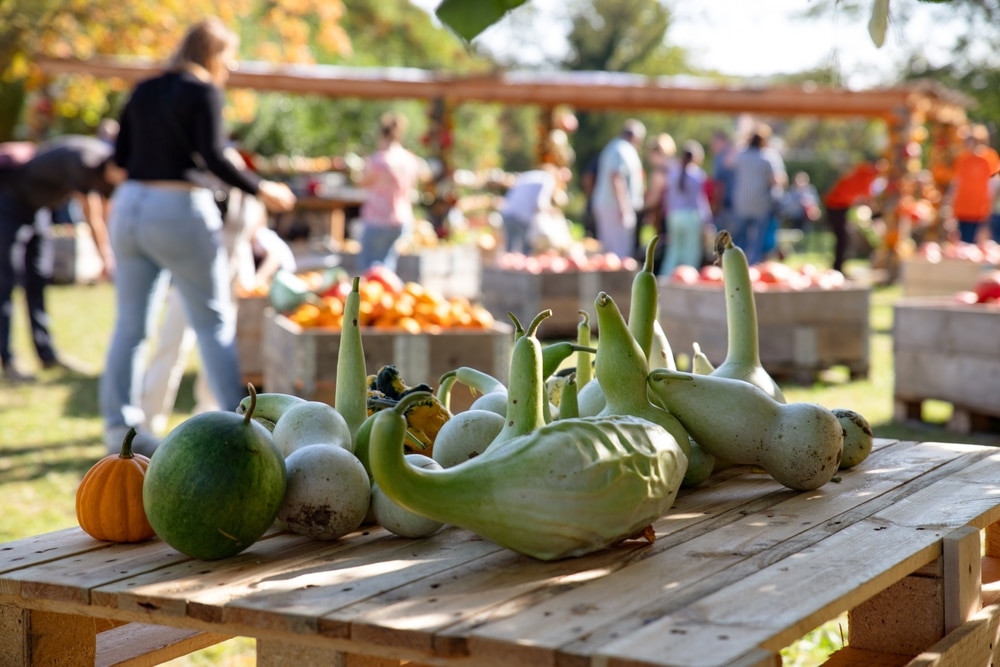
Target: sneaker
69, 365
14, 374
144, 442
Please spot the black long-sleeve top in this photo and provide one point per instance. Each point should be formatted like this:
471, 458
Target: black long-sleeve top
148, 145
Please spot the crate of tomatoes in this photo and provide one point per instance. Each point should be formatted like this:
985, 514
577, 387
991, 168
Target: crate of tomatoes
418, 330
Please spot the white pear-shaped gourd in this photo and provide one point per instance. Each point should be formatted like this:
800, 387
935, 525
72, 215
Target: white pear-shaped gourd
328, 492
311, 423
398, 520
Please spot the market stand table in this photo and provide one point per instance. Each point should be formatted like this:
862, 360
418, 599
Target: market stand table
740, 568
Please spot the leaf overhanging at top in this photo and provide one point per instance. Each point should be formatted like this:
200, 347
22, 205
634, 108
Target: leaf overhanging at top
469, 18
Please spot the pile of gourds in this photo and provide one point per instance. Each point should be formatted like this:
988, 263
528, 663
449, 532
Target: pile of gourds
548, 469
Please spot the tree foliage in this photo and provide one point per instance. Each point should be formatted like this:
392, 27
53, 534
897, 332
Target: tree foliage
283, 30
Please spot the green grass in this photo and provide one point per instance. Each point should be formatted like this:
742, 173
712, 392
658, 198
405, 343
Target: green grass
51, 433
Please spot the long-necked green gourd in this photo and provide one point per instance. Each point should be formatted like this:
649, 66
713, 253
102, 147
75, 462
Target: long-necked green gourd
645, 302
527, 404
700, 363
584, 362
622, 368
351, 393
569, 488
569, 407
742, 360
799, 444
493, 392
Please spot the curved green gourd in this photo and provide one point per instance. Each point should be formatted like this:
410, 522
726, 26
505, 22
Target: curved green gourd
742, 360
569, 488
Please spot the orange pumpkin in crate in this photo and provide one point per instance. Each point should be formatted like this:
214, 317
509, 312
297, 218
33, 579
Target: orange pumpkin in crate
109, 500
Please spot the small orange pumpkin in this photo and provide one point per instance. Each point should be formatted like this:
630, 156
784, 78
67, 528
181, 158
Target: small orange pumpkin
109, 499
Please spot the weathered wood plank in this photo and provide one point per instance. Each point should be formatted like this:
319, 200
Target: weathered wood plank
142, 645
772, 609
976, 643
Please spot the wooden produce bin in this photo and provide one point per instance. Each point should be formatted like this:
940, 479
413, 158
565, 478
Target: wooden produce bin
527, 294
950, 352
802, 332
303, 361
250, 336
452, 270
921, 277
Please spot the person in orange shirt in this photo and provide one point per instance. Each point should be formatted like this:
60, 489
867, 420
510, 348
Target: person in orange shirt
970, 187
851, 189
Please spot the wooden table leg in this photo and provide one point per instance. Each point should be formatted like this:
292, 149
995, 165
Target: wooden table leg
42, 639
281, 654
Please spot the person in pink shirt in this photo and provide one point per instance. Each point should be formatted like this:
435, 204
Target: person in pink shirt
390, 177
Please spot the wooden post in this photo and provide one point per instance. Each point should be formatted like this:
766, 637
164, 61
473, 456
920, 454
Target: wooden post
45, 639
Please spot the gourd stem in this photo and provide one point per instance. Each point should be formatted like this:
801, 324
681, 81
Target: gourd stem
126, 450
584, 371
253, 403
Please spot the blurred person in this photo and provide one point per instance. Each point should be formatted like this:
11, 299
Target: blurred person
851, 189
758, 173
245, 235
534, 194
46, 178
390, 176
165, 227
723, 154
687, 210
995, 215
969, 193
661, 154
619, 190
800, 205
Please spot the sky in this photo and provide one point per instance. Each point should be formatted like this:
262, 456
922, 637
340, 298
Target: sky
757, 38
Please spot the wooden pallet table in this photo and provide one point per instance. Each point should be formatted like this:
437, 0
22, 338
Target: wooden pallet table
802, 332
740, 568
950, 352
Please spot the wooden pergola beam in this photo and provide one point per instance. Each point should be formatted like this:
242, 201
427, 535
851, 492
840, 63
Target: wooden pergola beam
581, 90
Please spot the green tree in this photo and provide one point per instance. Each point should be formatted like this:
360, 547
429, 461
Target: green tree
30, 29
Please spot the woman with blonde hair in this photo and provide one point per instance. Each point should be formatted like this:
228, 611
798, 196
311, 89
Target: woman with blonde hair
166, 227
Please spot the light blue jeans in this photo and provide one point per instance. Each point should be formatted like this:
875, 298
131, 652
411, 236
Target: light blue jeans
685, 241
378, 246
161, 235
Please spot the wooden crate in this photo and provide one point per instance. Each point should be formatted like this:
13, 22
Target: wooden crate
949, 352
304, 361
249, 337
527, 294
802, 332
452, 270
74, 255
920, 277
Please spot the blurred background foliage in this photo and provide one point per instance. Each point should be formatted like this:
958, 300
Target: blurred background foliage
610, 35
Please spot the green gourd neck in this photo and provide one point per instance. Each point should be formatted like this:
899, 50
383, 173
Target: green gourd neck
645, 297
743, 346
526, 400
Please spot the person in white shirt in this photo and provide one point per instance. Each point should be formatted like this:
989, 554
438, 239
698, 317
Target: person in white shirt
534, 196
619, 190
